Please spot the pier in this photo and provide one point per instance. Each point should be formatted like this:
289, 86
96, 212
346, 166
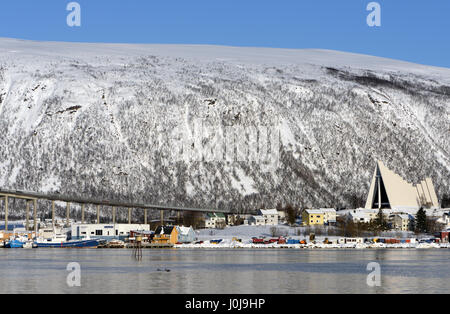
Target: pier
32, 198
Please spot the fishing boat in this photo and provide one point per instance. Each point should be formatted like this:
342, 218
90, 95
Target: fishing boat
59, 240
14, 244
17, 240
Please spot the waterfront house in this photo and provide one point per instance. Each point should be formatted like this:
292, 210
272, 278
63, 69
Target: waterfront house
270, 216
186, 234
165, 235
146, 236
312, 217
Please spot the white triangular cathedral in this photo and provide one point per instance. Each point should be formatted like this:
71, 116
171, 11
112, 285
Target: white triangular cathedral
389, 190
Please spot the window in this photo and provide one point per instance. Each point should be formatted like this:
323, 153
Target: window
99, 232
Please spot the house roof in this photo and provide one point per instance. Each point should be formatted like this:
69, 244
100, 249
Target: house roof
184, 230
164, 230
314, 211
359, 215
328, 210
215, 215
268, 212
258, 217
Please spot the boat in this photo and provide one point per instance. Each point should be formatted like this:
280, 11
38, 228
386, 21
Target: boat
115, 244
14, 244
17, 241
60, 241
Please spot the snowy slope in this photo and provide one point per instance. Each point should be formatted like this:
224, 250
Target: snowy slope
105, 120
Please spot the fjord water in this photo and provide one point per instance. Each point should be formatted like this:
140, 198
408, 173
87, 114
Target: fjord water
230, 271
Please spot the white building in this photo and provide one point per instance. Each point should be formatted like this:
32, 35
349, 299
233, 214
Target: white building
106, 231
270, 216
281, 216
359, 216
329, 215
235, 219
215, 220
445, 220
186, 234
389, 190
362, 215
400, 221
257, 220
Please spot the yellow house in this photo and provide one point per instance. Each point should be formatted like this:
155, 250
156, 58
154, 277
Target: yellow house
312, 217
166, 234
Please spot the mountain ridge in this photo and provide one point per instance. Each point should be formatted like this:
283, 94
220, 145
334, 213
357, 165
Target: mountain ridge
104, 120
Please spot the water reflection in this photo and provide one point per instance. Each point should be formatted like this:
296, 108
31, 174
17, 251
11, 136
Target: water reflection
225, 271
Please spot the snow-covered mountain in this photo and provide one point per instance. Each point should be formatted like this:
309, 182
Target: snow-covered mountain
119, 121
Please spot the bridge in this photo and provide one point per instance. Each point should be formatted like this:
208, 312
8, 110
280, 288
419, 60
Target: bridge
33, 197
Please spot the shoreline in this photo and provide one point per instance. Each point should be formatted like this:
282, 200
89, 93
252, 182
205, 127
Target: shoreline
359, 246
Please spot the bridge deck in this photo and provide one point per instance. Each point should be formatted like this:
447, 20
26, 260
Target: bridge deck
73, 199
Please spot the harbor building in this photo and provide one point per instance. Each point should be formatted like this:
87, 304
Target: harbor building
106, 231
186, 234
165, 235
389, 190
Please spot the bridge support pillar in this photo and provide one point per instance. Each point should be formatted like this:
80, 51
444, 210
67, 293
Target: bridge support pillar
82, 213
53, 214
6, 213
35, 216
145, 216
129, 215
98, 214
67, 213
162, 217
27, 216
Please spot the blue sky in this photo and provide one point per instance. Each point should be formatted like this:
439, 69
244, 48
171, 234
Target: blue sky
411, 30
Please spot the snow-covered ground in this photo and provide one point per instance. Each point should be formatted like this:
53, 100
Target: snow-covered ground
226, 244
245, 234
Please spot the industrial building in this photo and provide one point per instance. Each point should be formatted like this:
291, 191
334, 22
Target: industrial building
106, 231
